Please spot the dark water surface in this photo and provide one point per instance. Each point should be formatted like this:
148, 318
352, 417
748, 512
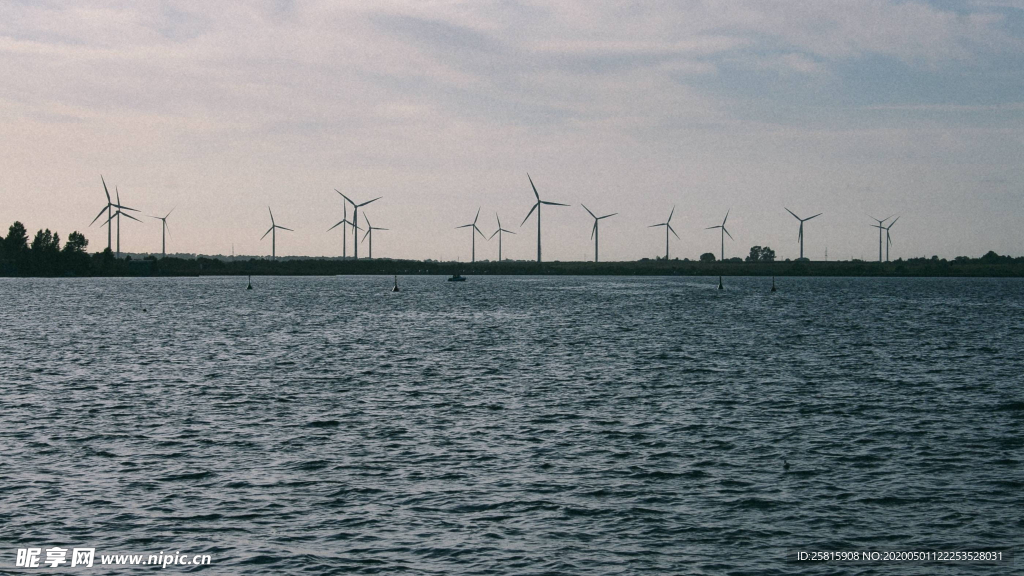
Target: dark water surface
512, 425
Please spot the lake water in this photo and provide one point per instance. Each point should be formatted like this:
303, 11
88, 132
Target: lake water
512, 425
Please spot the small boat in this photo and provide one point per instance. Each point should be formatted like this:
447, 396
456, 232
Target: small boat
395, 289
249, 287
457, 278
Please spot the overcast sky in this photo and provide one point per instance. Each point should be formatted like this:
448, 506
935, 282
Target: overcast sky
853, 108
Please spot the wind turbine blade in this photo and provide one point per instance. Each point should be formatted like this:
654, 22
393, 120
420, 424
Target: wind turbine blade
712, 227
167, 228
498, 219
380, 228
169, 213
532, 186
530, 212
588, 210
727, 233
345, 197
105, 191
283, 228
478, 230
495, 233
554, 204
365, 235
132, 217
593, 230
271, 216
367, 202
463, 226
726, 217
656, 225
815, 216
670, 215
118, 196
891, 223
265, 233
367, 218
477, 217
507, 231
673, 231
336, 225
98, 216
791, 212
608, 216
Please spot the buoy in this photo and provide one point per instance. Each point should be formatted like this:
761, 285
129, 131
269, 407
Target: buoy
773, 283
785, 464
395, 289
720, 287
249, 287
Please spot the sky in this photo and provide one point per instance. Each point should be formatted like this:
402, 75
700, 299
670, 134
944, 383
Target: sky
852, 108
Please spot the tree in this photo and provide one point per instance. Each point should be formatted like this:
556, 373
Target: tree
755, 254
17, 240
45, 252
707, 257
767, 254
46, 242
76, 243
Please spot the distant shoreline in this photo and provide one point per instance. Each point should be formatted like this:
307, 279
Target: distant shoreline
990, 265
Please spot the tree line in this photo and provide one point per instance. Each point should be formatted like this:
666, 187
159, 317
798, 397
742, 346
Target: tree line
44, 255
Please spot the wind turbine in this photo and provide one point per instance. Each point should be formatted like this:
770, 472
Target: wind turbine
473, 233
110, 215
594, 233
888, 239
117, 214
369, 232
273, 234
355, 218
724, 232
500, 232
164, 230
668, 228
537, 208
800, 235
880, 228
344, 229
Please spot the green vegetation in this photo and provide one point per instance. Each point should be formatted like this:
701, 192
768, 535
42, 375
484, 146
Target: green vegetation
44, 256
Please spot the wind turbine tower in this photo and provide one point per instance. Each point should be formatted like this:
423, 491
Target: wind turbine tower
724, 233
880, 226
355, 218
500, 232
111, 215
668, 228
473, 233
273, 234
344, 230
117, 214
800, 235
163, 234
537, 208
888, 239
594, 232
369, 233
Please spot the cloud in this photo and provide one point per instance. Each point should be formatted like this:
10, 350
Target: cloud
229, 104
